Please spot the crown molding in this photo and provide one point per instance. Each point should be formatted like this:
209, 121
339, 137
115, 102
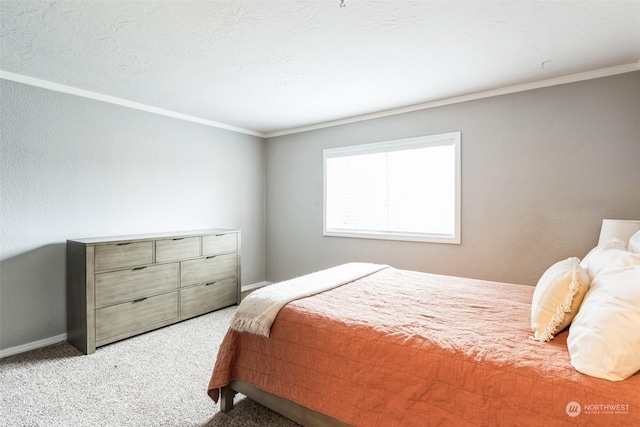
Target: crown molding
572, 78
45, 84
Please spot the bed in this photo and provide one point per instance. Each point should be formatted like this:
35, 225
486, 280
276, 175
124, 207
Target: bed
405, 348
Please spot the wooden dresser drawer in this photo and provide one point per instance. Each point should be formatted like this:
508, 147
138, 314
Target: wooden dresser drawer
212, 268
219, 244
109, 257
126, 285
204, 298
135, 316
178, 248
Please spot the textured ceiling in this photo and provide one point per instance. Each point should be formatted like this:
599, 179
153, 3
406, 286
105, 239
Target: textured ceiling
267, 66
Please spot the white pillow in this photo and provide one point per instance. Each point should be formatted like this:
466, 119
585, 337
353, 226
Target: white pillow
557, 298
611, 261
601, 255
604, 337
634, 243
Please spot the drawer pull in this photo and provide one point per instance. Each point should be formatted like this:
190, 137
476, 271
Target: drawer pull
138, 300
210, 283
124, 244
212, 256
138, 268
218, 235
179, 238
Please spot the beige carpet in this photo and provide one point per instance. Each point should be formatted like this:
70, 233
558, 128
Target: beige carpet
155, 379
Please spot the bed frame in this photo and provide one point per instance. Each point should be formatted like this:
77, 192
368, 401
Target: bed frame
285, 407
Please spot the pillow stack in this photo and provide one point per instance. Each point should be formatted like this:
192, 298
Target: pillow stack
600, 298
604, 338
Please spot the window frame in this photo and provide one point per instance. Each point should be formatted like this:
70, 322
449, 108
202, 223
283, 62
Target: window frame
450, 138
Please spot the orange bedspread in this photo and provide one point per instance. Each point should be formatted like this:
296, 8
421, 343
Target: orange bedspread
403, 348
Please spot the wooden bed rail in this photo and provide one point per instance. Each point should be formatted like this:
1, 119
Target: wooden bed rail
285, 407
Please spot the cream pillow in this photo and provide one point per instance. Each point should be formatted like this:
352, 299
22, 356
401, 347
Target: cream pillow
604, 338
557, 298
634, 243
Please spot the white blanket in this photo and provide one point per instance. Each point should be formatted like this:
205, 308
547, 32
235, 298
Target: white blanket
259, 309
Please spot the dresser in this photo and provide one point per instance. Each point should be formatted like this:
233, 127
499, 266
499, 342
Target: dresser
122, 286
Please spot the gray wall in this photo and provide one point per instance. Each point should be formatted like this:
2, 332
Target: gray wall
73, 167
540, 171
540, 168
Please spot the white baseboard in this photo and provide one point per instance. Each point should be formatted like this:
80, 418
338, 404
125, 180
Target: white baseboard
32, 345
255, 286
63, 337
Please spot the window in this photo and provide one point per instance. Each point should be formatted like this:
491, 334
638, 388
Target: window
407, 189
